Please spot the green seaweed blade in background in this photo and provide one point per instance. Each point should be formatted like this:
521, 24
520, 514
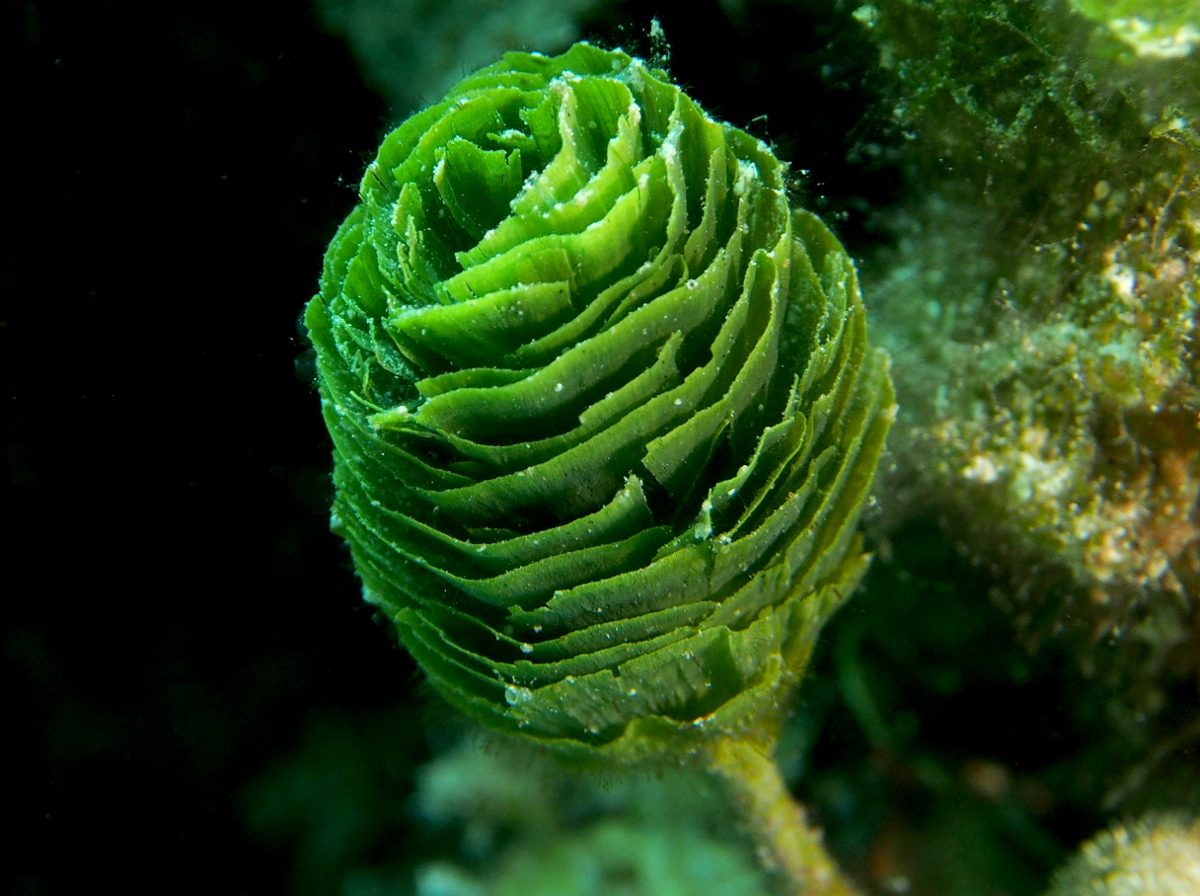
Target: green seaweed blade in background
603, 407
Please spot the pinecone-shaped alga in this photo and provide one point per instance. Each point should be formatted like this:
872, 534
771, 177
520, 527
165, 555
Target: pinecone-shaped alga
603, 407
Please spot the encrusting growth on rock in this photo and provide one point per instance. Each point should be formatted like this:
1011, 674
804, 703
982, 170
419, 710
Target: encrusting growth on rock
1041, 301
1156, 855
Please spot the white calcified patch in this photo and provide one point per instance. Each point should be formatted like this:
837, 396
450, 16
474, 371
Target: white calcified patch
1150, 42
981, 469
1123, 278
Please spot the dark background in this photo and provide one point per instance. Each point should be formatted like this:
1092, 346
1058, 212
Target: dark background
176, 610
177, 616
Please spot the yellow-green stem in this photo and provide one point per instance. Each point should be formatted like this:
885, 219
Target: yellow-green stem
787, 844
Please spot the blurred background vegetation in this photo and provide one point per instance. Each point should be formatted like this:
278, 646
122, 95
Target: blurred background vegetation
203, 703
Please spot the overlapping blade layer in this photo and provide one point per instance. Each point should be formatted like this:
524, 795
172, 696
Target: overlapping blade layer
603, 406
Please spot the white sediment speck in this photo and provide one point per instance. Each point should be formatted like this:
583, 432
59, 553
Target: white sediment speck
1123, 278
981, 469
515, 696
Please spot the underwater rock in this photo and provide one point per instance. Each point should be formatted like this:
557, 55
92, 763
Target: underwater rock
1041, 302
539, 832
411, 52
1156, 855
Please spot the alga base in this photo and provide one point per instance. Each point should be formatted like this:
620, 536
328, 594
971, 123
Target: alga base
787, 844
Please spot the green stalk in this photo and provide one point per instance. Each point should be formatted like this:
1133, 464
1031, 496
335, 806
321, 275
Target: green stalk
787, 844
